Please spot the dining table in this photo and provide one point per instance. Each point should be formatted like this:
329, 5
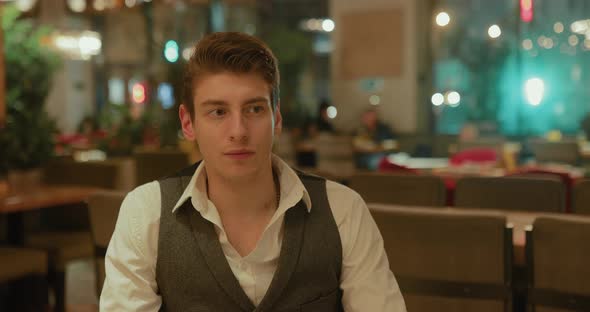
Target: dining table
14, 205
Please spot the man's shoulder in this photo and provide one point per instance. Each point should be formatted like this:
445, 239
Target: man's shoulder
142, 203
344, 194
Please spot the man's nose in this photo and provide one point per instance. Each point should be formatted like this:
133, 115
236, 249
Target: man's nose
238, 128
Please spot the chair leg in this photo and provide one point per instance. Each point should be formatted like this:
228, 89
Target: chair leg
28, 294
59, 287
39, 292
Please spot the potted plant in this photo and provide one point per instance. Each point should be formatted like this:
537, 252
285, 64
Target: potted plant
27, 138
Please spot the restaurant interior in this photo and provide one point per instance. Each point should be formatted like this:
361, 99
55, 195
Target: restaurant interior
463, 124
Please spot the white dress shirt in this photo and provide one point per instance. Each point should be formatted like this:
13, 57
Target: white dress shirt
130, 285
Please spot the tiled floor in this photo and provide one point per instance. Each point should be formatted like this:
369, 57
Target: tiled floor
80, 283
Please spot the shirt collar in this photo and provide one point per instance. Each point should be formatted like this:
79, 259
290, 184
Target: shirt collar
292, 189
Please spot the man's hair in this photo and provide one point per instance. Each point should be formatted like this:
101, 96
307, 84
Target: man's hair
232, 52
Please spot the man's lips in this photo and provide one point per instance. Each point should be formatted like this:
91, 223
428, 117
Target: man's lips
239, 154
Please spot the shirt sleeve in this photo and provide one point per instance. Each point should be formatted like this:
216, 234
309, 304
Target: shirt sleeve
130, 283
366, 279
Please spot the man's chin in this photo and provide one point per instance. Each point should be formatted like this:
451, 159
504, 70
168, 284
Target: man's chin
240, 171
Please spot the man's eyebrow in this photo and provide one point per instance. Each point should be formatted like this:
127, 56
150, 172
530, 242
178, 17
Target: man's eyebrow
257, 100
213, 103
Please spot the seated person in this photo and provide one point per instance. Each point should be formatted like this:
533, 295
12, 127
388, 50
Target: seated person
241, 230
369, 140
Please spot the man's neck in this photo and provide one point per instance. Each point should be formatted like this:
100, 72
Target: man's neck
246, 198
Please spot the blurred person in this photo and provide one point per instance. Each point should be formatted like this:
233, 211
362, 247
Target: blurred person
241, 230
469, 132
370, 140
373, 128
324, 122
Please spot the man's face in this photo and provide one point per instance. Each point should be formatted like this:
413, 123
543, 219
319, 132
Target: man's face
233, 124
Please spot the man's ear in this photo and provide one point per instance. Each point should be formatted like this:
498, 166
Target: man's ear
278, 120
186, 121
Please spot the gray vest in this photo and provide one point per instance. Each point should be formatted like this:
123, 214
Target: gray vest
193, 274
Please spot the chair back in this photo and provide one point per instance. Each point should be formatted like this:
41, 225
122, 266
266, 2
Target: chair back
448, 259
103, 209
284, 147
567, 152
514, 193
400, 189
494, 143
557, 256
156, 164
335, 154
112, 174
581, 197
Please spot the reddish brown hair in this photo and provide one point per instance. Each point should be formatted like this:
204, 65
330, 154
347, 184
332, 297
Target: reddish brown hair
233, 52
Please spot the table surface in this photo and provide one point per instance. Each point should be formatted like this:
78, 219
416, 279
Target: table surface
45, 197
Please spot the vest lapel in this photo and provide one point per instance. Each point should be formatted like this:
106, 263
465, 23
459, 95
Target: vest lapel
290, 249
213, 254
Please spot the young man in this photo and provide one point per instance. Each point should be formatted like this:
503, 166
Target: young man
241, 231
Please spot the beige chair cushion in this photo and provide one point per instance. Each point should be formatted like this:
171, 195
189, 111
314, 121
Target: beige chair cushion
63, 246
444, 245
581, 198
103, 209
496, 143
561, 254
434, 243
19, 262
334, 153
567, 151
520, 194
397, 189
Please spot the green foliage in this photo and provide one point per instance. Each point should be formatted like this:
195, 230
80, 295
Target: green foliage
27, 138
126, 132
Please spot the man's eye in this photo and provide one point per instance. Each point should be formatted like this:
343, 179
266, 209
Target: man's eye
217, 112
256, 109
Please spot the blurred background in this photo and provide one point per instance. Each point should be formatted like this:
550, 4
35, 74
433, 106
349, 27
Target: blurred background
448, 89
511, 68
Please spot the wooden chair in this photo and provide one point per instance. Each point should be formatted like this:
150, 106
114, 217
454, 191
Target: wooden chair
335, 154
103, 209
284, 147
64, 232
152, 165
581, 198
448, 260
567, 152
23, 279
415, 190
557, 256
112, 174
517, 193
495, 143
